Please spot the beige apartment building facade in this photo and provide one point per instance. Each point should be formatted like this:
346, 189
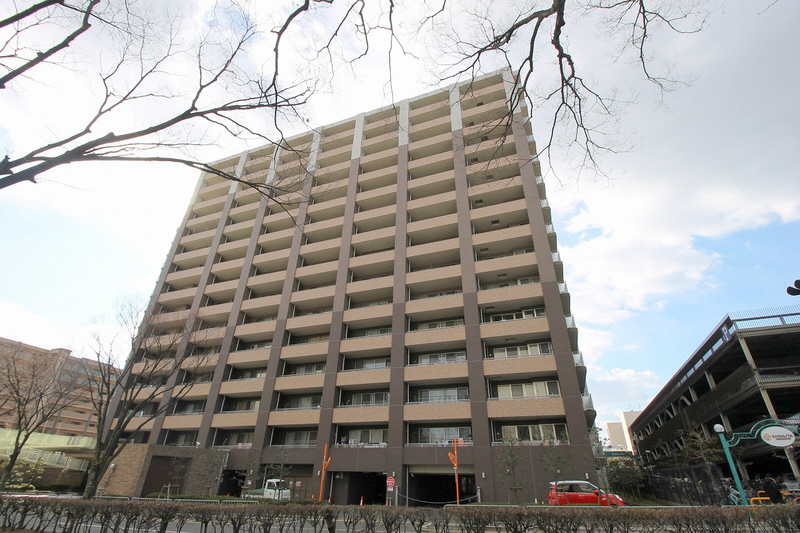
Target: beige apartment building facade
401, 300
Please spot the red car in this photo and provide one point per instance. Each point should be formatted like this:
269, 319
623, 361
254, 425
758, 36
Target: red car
580, 493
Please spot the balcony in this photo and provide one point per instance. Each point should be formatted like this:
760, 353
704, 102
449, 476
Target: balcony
203, 223
253, 358
272, 261
437, 411
222, 291
240, 388
198, 240
296, 417
234, 420
301, 383
523, 408
361, 378
361, 414
422, 374
181, 421
256, 331
526, 366
524, 328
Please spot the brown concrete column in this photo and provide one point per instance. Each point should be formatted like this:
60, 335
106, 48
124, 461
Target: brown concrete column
481, 432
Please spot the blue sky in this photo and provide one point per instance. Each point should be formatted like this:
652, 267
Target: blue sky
700, 218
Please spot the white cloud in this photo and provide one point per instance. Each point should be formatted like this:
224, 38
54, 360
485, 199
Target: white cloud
594, 342
620, 389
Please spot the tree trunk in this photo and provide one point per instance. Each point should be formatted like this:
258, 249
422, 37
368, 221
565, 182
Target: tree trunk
8, 467
91, 483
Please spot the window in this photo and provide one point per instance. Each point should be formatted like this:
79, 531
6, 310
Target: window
367, 364
300, 402
322, 337
441, 358
536, 389
373, 332
301, 438
441, 324
310, 368
440, 435
362, 437
537, 348
547, 433
369, 398
517, 315
450, 394
511, 283
241, 404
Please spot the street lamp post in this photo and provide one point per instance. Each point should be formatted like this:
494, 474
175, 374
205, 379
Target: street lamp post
721, 432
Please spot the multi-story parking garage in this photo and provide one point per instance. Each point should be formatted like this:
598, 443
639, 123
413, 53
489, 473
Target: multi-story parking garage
403, 298
747, 370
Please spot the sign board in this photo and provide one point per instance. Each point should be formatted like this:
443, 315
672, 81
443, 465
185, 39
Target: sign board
390, 482
777, 436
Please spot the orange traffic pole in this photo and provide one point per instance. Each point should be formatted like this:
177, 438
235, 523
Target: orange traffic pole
325, 462
454, 459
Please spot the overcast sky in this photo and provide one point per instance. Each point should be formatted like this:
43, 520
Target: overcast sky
700, 218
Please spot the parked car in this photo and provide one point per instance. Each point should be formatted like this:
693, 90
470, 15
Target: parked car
580, 493
273, 489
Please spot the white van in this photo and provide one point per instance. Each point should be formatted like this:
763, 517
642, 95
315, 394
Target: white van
274, 489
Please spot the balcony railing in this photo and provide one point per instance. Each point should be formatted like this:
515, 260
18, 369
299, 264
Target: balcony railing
448, 443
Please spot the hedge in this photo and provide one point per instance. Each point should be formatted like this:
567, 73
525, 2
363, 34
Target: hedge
73, 515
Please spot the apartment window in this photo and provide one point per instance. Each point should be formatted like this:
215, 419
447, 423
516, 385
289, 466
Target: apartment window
436, 294
300, 402
189, 407
367, 364
180, 438
299, 439
553, 434
247, 373
240, 405
511, 283
368, 399
440, 324
241, 439
309, 368
372, 303
536, 389
518, 315
537, 348
254, 345
322, 337
372, 332
440, 358
439, 436
443, 395
363, 437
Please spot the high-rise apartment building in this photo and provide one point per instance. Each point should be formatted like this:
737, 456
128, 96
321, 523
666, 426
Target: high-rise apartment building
402, 299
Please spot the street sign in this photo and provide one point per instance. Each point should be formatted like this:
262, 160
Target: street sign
390, 482
778, 436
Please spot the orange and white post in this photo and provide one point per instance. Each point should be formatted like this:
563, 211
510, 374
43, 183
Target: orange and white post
325, 462
454, 459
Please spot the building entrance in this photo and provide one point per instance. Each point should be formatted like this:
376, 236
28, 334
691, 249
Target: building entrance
231, 482
440, 489
350, 487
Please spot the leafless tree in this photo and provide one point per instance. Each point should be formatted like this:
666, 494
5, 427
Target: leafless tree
510, 455
151, 382
34, 388
161, 88
234, 79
